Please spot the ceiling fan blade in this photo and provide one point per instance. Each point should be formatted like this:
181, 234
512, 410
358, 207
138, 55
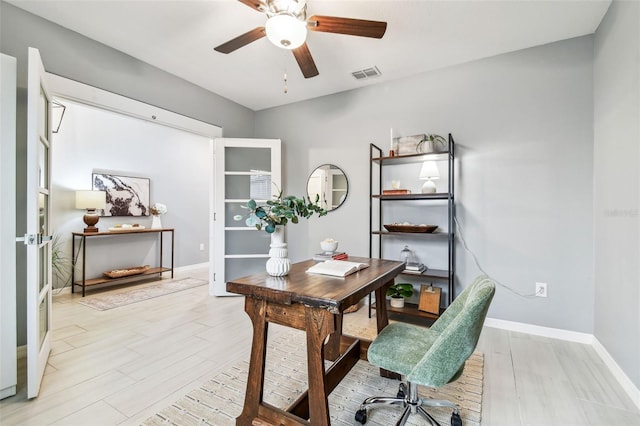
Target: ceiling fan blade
356, 27
305, 61
242, 40
253, 4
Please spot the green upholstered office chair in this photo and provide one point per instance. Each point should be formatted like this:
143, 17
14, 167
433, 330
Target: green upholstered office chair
431, 356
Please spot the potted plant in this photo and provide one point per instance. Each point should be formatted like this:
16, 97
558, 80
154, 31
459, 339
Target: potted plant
280, 211
275, 214
398, 292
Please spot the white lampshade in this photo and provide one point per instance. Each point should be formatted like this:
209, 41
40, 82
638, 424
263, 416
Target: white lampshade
429, 170
91, 199
286, 31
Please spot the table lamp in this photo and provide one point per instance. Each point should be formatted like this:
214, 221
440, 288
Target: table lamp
429, 171
91, 200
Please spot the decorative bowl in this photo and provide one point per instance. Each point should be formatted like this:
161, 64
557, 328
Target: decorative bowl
397, 227
329, 246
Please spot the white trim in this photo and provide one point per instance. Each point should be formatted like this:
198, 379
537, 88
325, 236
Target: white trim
186, 268
89, 95
618, 373
536, 330
8, 391
573, 336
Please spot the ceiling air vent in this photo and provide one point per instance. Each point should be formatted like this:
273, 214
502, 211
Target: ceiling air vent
366, 73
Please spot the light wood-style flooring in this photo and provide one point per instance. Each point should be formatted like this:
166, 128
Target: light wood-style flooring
120, 366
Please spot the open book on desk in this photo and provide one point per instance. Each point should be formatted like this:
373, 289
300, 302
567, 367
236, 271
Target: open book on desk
337, 268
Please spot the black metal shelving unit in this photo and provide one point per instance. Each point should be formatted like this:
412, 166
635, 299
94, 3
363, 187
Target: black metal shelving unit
376, 200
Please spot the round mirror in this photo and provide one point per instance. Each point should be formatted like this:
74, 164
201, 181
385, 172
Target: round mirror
329, 184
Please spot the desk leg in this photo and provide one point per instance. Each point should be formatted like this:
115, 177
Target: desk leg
319, 324
256, 309
382, 318
332, 347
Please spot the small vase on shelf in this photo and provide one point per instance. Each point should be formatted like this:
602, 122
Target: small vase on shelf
156, 223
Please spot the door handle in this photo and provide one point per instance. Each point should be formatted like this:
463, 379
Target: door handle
34, 239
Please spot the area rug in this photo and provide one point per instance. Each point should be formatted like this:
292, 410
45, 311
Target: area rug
219, 401
112, 300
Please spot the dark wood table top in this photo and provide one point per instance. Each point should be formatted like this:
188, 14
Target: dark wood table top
316, 290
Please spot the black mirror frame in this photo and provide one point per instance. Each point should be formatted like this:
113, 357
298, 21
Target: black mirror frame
331, 166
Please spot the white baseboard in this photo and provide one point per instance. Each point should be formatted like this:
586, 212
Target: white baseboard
186, 268
536, 330
573, 336
621, 377
8, 391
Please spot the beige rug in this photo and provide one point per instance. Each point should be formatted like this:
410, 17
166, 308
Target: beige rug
218, 401
112, 300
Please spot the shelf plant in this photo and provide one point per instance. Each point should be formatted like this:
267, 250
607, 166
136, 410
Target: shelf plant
398, 292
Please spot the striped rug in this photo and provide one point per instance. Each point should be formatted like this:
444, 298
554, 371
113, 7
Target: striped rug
219, 401
117, 297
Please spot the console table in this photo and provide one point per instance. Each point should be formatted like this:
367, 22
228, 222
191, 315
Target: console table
82, 238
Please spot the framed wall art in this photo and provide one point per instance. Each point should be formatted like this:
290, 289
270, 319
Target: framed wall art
126, 195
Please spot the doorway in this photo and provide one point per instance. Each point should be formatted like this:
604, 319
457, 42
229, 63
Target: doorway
101, 132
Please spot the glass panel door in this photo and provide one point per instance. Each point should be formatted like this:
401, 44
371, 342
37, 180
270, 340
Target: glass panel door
244, 169
38, 233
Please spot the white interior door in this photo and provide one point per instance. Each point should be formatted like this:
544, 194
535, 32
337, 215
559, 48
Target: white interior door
243, 169
37, 238
8, 332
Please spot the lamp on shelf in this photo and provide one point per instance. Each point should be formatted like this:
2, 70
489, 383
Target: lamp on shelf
91, 200
429, 171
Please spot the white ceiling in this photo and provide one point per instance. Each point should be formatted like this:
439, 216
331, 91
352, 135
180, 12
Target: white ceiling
179, 36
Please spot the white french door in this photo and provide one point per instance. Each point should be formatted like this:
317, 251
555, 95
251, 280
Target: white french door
243, 169
37, 238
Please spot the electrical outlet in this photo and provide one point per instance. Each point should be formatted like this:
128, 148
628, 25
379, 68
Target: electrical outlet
201, 246
541, 289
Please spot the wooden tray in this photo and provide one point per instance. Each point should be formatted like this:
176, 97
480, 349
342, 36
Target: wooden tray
410, 228
119, 273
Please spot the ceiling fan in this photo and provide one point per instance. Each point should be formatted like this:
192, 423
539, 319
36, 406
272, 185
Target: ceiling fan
287, 26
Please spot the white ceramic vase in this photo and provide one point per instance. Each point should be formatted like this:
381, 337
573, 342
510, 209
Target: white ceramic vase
278, 264
156, 223
397, 302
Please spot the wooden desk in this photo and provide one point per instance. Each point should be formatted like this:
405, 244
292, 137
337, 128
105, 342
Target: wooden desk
82, 236
315, 304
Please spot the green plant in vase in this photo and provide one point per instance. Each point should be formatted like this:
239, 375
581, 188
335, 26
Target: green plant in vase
398, 292
272, 217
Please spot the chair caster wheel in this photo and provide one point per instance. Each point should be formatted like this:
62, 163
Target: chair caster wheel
456, 420
361, 416
402, 391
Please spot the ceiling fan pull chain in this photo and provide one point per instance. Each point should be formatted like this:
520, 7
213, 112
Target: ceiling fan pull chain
285, 82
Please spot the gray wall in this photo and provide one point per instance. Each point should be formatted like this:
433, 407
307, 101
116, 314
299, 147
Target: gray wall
617, 185
523, 126
74, 56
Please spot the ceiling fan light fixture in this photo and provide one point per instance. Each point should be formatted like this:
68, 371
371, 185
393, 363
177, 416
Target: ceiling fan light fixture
286, 31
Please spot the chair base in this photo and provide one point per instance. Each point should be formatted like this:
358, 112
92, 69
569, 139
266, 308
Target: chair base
407, 397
